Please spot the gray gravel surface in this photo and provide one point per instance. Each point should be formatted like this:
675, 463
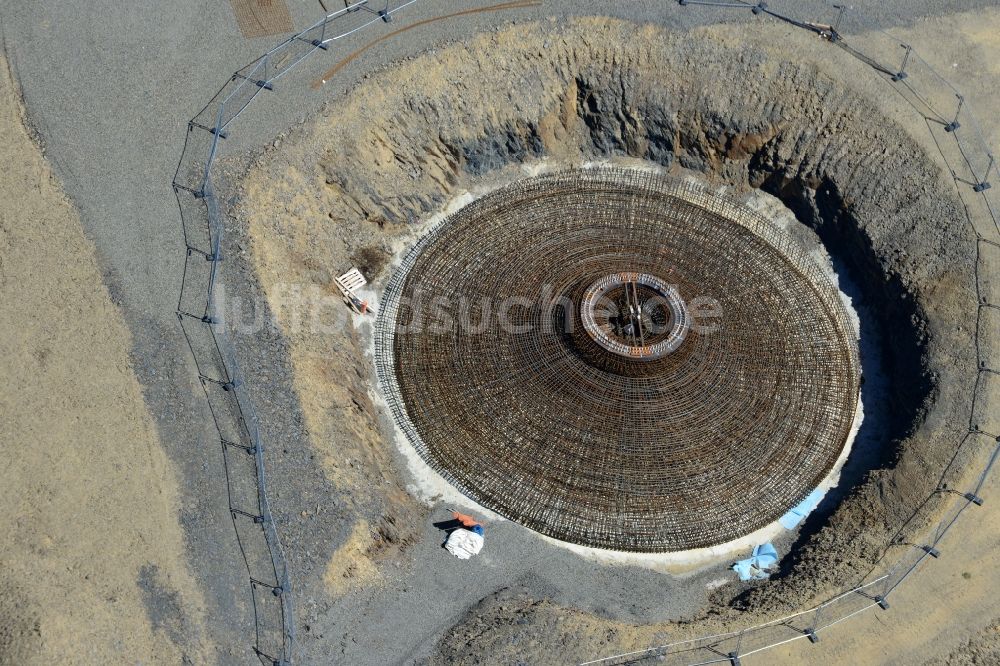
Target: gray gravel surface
109, 87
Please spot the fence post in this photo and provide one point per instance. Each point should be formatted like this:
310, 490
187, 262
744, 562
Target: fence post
954, 124
880, 599
984, 184
734, 656
835, 30
810, 631
901, 74
974, 498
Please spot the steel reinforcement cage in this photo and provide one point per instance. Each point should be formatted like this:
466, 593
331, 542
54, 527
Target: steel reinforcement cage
586, 522
962, 145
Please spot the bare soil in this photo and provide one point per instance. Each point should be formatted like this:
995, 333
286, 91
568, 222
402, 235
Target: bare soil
92, 560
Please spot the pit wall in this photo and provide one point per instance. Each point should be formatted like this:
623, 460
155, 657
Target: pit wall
346, 188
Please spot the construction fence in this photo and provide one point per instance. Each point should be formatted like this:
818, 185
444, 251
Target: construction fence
962, 144
239, 437
949, 117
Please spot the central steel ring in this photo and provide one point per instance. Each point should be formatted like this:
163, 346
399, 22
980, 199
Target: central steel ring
636, 315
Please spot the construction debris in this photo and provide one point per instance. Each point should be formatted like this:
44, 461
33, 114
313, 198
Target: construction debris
796, 515
760, 565
463, 543
350, 282
467, 540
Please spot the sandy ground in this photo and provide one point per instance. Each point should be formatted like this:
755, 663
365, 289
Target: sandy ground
92, 565
933, 617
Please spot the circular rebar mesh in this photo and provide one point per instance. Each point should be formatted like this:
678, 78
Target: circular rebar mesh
487, 369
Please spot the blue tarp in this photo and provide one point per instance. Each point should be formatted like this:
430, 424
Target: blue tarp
757, 566
791, 519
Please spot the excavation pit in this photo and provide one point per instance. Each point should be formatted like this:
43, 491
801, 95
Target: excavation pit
620, 360
851, 175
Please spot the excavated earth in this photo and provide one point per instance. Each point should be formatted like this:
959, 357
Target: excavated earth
745, 111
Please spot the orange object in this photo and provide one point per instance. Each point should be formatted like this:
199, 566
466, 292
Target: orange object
359, 305
467, 521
